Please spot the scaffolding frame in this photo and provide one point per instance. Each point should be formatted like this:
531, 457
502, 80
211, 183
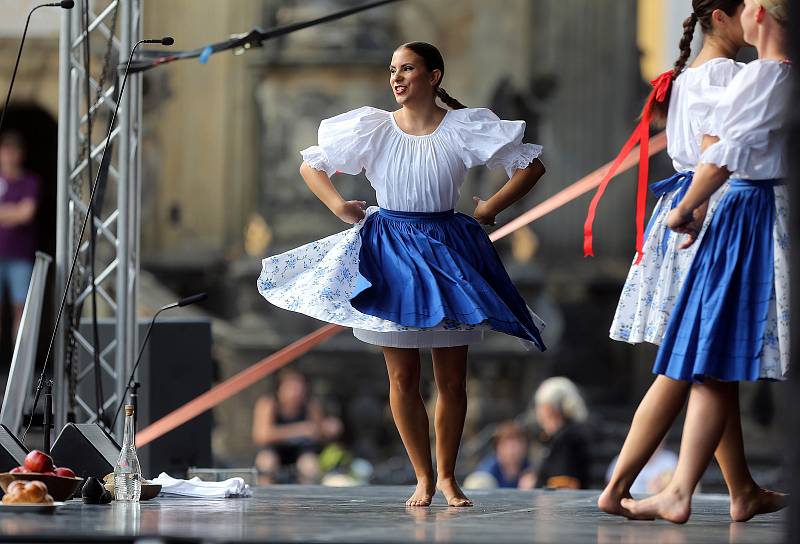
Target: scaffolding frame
118, 226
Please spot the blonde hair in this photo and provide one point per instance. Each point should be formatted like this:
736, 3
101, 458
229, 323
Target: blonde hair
778, 9
563, 394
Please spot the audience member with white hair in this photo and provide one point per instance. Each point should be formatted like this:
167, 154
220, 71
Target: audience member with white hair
560, 411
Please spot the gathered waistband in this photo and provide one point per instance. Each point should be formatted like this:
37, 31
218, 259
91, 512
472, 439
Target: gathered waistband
678, 180
416, 216
757, 183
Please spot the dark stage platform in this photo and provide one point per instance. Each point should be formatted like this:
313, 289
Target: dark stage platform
376, 514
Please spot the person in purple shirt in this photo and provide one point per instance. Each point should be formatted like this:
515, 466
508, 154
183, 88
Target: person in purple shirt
19, 197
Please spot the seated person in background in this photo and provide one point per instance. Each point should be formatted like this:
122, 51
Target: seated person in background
655, 475
560, 410
510, 459
291, 428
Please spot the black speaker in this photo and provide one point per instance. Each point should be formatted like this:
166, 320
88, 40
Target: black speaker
176, 367
85, 448
12, 452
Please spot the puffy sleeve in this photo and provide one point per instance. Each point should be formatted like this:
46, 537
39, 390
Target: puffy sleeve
487, 139
747, 113
343, 142
704, 96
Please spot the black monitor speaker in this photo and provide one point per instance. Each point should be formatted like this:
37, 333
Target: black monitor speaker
85, 448
12, 452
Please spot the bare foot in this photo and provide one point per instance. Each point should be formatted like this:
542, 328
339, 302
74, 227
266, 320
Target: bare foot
759, 501
610, 502
423, 494
671, 505
452, 493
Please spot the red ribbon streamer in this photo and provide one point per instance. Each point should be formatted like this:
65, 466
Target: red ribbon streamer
640, 135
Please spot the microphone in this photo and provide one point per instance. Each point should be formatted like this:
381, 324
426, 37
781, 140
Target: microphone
67, 4
199, 297
182, 302
87, 215
166, 40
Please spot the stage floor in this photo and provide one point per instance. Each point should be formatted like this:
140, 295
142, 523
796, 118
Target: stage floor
377, 514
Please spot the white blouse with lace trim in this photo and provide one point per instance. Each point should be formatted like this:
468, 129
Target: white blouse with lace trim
419, 173
749, 122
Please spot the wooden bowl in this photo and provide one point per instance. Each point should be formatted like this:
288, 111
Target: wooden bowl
150, 491
60, 488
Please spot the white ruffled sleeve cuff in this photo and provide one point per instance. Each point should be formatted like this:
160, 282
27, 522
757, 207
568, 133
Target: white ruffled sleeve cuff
726, 153
316, 158
706, 127
515, 157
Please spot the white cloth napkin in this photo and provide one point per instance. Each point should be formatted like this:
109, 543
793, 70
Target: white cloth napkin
232, 487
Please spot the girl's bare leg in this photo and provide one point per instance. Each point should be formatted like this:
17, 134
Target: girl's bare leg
450, 370
408, 411
747, 498
660, 406
706, 419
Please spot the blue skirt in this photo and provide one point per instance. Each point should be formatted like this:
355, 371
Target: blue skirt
422, 269
716, 329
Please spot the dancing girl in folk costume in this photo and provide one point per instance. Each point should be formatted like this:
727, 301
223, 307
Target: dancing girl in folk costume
412, 273
727, 316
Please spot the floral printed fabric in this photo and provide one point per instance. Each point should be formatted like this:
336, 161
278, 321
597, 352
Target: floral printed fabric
317, 279
652, 287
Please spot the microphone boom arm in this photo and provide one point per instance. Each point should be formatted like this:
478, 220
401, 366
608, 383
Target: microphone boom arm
16, 64
182, 302
87, 216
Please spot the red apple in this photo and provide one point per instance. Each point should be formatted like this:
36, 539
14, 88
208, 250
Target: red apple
18, 469
65, 472
37, 461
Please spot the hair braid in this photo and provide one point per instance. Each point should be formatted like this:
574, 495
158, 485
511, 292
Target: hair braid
702, 13
660, 109
448, 100
685, 44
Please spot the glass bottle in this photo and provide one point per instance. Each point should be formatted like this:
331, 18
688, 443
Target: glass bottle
127, 472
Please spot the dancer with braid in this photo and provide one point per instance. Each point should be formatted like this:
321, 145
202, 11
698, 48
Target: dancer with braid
654, 282
729, 320
412, 274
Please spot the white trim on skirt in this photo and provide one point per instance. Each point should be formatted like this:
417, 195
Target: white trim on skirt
419, 339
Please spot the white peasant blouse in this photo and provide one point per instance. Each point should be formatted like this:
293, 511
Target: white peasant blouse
418, 173
695, 94
749, 121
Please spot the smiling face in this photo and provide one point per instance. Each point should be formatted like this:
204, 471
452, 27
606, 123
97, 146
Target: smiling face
410, 79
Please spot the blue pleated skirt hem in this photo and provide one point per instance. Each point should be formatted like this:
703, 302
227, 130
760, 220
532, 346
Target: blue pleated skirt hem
420, 269
716, 330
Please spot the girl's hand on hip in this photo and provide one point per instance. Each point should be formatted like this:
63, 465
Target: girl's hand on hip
483, 213
351, 211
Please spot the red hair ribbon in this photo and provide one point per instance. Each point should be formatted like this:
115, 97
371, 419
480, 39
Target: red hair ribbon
641, 136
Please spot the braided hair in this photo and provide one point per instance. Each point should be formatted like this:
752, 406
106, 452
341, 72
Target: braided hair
434, 61
702, 11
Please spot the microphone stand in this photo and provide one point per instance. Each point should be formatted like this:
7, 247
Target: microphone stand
87, 216
135, 385
65, 5
48, 415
